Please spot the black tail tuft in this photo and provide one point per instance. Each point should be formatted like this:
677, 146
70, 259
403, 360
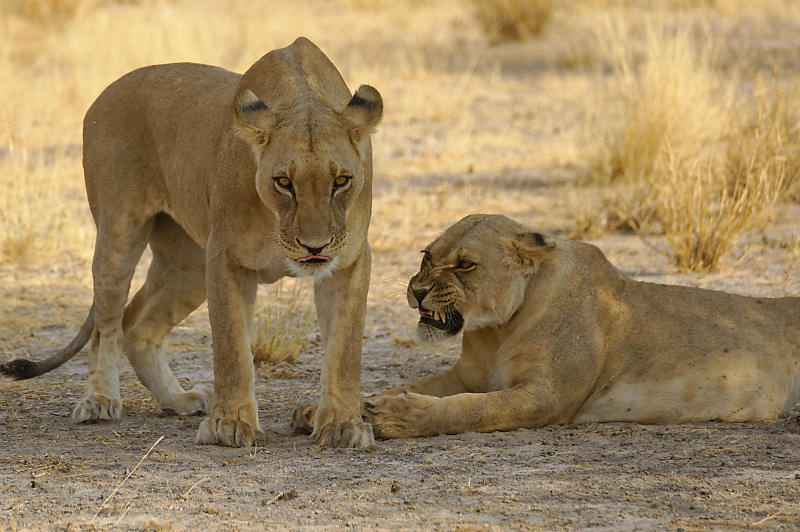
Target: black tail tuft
19, 369
27, 369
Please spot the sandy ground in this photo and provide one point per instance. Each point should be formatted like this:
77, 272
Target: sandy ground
58, 475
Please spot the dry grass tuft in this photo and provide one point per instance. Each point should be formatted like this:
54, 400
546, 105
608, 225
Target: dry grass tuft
767, 140
701, 215
667, 93
513, 20
686, 155
705, 205
281, 329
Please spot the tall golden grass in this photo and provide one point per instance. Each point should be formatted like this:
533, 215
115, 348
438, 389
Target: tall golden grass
691, 153
701, 215
668, 93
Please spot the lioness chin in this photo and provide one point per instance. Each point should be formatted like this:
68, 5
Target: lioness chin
553, 334
232, 180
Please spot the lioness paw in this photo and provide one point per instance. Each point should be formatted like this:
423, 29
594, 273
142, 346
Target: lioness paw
330, 431
349, 434
97, 407
399, 416
303, 419
196, 401
237, 430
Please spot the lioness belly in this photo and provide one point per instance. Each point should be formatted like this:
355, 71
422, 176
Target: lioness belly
743, 389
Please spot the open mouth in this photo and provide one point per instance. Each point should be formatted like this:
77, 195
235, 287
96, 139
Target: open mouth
449, 321
314, 259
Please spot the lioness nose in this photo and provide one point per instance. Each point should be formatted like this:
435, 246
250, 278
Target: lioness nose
419, 295
312, 250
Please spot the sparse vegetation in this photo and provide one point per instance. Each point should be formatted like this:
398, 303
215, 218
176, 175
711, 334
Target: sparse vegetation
701, 214
691, 153
513, 20
666, 95
23, 235
767, 138
282, 327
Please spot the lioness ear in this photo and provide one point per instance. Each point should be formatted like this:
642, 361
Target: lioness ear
526, 250
254, 120
363, 111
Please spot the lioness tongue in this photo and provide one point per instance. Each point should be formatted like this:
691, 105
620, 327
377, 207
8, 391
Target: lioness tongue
314, 258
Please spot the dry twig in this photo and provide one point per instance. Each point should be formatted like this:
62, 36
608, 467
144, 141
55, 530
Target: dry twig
125, 479
204, 479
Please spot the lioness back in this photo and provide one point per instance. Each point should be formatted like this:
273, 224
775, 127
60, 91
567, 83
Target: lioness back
158, 127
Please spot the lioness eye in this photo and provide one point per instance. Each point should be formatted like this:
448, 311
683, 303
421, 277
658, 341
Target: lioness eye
465, 265
283, 182
341, 181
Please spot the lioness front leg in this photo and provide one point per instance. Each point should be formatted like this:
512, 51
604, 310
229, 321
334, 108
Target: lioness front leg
341, 302
233, 420
410, 415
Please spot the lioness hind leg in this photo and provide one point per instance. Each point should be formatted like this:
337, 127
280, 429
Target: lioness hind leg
175, 286
120, 243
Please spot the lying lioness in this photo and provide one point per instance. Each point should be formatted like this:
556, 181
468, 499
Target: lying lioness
553, 333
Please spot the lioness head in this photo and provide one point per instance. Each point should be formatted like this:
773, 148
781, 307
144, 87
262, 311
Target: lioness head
475, 275
312, 165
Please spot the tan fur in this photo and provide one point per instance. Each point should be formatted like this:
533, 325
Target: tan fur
553, 333
184, 157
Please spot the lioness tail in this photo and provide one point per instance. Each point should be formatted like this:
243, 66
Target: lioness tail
23, 368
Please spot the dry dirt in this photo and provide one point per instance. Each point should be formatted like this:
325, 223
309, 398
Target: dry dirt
145, 473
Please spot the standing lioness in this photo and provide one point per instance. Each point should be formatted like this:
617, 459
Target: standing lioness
553, 333
232, 180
